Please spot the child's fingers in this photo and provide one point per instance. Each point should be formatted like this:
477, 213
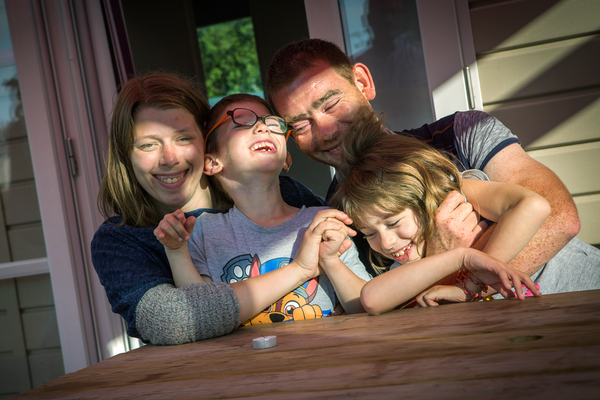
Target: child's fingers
189, 224
346, 244
328, 224
530, 284
158, 233
331, 213
172, 226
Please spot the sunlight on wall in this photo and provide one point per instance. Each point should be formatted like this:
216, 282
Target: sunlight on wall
580, 126
555, 17
445, 99
530, 63
515, 69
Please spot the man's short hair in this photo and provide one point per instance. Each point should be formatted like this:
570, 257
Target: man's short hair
293, 59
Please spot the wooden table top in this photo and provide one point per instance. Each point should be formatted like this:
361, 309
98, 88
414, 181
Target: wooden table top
545, 348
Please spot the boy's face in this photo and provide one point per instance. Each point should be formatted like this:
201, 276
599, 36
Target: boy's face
247, 149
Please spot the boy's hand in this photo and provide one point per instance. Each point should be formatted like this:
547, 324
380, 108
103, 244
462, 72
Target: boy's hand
447, 293
309, 251
174, 230
498, 275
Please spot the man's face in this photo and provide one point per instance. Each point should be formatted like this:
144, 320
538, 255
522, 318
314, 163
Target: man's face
319, 106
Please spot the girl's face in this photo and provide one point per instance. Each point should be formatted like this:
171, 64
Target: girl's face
393, 235
243, 150
168, 159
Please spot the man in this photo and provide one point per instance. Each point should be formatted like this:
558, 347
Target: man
313, 85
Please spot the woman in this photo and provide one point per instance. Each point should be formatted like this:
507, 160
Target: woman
154, 167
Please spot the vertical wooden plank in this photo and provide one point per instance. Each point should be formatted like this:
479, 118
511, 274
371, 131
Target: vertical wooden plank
14, 368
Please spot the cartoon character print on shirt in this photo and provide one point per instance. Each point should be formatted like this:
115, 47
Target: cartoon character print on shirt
293, 306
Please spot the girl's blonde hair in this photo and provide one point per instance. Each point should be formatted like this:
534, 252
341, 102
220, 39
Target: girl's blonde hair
120, 192
392, 173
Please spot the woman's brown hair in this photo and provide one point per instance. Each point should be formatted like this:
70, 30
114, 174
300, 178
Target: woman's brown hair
120, 193
392, 172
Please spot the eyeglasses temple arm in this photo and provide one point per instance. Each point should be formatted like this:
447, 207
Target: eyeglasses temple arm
213, 128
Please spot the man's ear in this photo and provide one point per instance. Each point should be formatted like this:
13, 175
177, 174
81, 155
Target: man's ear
364, 81
288, 162
212, 166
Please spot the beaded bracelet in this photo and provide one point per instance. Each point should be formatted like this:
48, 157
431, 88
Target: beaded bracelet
462, 275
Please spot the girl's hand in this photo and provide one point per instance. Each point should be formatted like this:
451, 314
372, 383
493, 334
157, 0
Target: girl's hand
447, 293
174, 230
334, 242
498, 275
309, 251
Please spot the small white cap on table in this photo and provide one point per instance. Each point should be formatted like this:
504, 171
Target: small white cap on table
264, 342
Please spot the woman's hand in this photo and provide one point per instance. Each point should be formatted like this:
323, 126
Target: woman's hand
174, 230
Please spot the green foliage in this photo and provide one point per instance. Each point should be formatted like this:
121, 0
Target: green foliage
229, 58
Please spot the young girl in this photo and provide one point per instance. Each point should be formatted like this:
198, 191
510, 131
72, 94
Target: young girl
391, 188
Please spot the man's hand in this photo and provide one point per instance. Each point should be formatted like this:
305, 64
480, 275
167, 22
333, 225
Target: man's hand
456, 225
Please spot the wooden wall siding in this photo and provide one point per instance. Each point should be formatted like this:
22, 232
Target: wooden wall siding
19, 164
538, 68
502, 25
14, 370
552, 120
21, 204
588, 207
545, 69
21, 228
578, 166
30, 352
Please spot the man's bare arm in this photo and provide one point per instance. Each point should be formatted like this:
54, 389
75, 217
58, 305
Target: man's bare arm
514, 165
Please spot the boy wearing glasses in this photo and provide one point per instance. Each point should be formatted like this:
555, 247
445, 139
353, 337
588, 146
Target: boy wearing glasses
261, 235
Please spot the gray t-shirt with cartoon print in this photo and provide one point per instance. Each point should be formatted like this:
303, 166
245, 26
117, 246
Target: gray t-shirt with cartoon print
229, 247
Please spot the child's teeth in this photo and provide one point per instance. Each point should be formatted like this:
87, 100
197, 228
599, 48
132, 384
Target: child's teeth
403, 251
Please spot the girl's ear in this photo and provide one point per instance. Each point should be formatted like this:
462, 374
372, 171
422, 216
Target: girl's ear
288, 162
364, 81
212, 166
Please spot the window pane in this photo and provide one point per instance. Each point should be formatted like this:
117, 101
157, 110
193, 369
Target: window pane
229, 59
385, 36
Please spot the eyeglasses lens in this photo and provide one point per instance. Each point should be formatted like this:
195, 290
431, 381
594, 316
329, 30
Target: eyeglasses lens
244, 117
276, 124
248, 118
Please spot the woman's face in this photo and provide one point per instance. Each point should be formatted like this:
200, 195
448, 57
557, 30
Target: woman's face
168, 159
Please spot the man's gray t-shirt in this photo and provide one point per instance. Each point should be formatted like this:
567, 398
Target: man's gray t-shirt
229, 248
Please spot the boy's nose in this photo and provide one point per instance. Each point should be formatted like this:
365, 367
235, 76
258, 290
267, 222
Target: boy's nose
260, 127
